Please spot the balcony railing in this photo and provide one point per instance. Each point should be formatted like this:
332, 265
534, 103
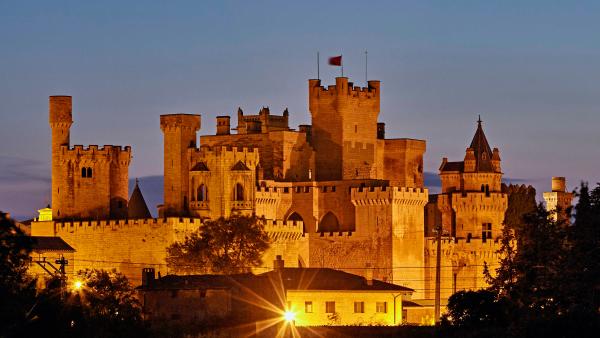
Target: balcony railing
242, 205
194, 205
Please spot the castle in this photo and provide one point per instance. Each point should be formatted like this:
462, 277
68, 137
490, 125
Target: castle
335, 193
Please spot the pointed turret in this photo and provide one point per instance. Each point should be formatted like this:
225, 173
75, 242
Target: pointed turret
137, 205
481, 150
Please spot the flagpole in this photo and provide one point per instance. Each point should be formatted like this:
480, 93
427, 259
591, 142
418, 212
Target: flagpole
366, 68
342, 62
318, 73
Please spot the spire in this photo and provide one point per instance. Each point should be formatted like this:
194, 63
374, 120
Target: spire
137, 205
481, 149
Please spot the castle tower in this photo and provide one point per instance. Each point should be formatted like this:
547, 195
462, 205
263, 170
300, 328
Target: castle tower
472, 207
558, 201
87, 183
61, 119
344, 129
477, 179
179, 135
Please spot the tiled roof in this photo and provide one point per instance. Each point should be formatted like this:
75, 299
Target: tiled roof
137, 207
47, 243
329, 279
482, 150
200, 166
240, 166
194, 282
453, 166
291, 278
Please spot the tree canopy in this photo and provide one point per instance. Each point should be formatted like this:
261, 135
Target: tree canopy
231, 245
17, 288
548, 281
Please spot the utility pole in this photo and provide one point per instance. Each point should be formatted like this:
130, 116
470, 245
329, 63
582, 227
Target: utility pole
63, 276
438, 259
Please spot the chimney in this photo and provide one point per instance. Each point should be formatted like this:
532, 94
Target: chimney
369, 274
278, 264
147, 277
223, 125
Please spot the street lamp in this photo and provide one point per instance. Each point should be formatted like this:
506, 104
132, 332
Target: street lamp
77, 285
289, 316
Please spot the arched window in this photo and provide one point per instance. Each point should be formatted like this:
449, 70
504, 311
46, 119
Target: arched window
89, 172
482, 188
487, 190
295, 217
202, 193
83, 172
329, 223
238, 192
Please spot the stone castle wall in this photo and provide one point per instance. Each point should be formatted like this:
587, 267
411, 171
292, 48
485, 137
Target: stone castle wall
130, 245
462, 264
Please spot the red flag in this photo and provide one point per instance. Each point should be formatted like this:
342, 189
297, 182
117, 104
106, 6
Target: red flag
335, 61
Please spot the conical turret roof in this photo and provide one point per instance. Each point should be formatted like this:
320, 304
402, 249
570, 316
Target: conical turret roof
137, 204
482, 150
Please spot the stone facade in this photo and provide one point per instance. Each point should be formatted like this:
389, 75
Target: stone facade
559, 201
469, 212
335, 193
87, 183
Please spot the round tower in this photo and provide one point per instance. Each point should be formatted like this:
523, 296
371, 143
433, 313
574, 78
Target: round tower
559, 201
61, 119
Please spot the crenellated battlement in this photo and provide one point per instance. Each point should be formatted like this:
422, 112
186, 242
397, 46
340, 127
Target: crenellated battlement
170, 122
106, 153
480, 200
386, 195
475, 247
218, 150
345, 88
284, 230
115, 225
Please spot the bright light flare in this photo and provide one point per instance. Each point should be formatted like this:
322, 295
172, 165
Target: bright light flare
77, 285
289, 316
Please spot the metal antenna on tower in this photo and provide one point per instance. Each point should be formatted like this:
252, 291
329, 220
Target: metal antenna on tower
366, 69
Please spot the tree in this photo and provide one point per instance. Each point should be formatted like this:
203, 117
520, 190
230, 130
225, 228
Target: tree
103, 304
582, 278
17, 288
521, 202
475, 309
226, 246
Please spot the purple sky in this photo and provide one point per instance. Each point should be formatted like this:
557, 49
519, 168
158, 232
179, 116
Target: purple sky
531, 70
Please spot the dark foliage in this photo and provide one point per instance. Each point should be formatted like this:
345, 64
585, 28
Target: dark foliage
548, 282
17, 289
475, 309
230, 245
104, 306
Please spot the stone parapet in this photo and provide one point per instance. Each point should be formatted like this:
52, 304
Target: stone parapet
284, 230
387, 195
93, 152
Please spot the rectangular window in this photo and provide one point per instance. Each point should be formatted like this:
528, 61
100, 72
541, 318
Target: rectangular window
381, 307
330, 307
359, 307
486, 231
308, 307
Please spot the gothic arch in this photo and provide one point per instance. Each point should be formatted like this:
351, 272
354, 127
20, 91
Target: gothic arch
202, 193
329, 223
238, 192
